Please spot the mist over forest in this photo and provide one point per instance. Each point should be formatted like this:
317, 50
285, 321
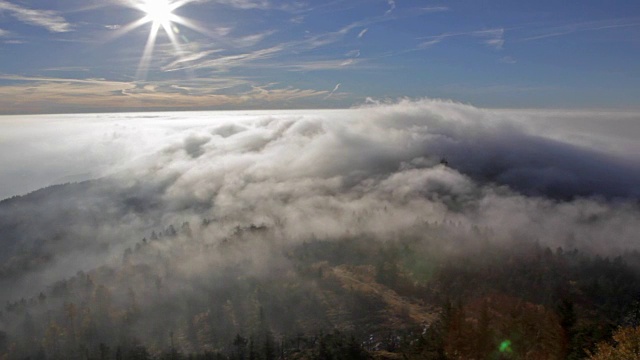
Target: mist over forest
402, 228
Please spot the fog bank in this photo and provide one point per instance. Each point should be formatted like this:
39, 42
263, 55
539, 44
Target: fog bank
373, 171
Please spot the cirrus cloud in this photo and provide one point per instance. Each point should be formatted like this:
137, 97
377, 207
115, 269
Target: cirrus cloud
47, 19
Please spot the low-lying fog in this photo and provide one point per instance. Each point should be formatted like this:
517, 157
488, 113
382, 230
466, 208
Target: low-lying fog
563, 178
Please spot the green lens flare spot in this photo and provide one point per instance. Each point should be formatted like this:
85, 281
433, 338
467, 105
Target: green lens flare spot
505, 346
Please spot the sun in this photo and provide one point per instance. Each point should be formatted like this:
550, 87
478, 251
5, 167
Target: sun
160, 15
159, 12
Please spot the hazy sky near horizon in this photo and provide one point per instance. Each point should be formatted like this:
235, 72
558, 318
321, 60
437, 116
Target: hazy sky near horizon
89, 55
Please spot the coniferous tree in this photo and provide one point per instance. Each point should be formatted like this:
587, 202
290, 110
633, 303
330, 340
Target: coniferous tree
269, 346
239, 344
253, 355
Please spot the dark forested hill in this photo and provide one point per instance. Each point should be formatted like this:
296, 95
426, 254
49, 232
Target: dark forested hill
253, 296
61, 229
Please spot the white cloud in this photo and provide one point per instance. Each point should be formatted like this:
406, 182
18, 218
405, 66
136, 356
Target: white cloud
47, 19
339, 64
361, 33
353, 53
392, 6
226, 62
432, 41
433, 9
555, 31
297, 19
327, 38
68, 69
252, 40
268, 94
508, 60
50, 94
335, 88
492, 37
263, 5
188, 58
497, 145
246, 4
371, 172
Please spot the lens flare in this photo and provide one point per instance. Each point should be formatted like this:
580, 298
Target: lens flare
505, 346
160, 14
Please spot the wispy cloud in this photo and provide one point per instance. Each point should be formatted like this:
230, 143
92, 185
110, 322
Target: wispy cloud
270, 95
14, 42
47, 19
222, 60
263, 5
4, 33
340, 64
432, 41
49, 94
297, 19
68, 69
254, 39
327, 38
246, 4
333, 91
19, 78
392, 6
224, 63
491, 37
226, 60
555, 31
432, 9
508, 60
353, 53
187, 59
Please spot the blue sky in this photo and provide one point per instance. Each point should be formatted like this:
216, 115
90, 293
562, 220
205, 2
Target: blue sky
86, 56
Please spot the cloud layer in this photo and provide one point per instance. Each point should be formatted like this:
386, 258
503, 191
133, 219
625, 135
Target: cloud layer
374, 171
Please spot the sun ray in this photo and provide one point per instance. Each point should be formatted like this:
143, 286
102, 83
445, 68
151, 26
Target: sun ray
143, 66
160, 14
194, 26
180, 3
173, 39
127, 28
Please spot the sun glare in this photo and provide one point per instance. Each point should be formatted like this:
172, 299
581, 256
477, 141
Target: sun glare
159, 12
160, 15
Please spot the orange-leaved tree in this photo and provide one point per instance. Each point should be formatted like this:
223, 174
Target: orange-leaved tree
627, 346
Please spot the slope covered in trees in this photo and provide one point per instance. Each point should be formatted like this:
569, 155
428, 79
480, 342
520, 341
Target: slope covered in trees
175, 294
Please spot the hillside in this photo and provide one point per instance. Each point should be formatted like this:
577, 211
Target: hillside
176, 292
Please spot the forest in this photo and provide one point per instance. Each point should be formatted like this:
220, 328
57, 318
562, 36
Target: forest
175, 295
